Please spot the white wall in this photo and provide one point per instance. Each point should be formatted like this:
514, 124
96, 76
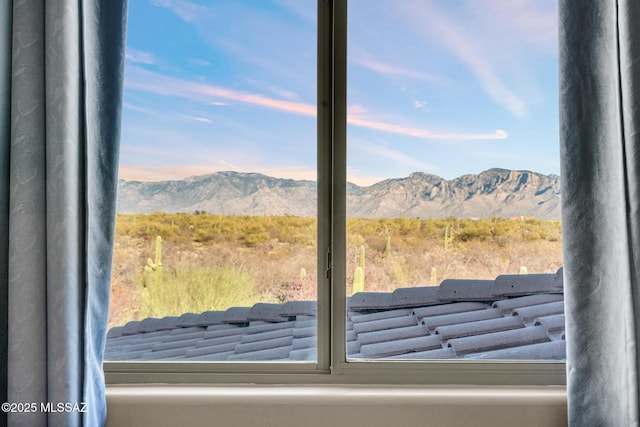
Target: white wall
335, 406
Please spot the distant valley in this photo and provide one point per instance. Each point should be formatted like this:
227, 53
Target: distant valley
500, 192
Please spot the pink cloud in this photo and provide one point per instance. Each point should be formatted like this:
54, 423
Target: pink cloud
388, 69
144, 80
423, 133
260, 100
355, 109
148, 81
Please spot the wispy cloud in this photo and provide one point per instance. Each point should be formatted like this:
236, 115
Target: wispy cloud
200, 62
301, 9
392, 70
229, 166
430, 22
144, 80
290, 173
151, 112
355, 110
276, 90
423, 133
198, 119
357, 177
140, 57
420, 104
139, 109
535, 22
396, 156
490, 81
186, 10
255, 39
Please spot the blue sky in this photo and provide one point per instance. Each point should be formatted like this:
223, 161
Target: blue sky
439, 86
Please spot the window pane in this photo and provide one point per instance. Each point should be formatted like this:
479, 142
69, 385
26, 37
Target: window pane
215, 254
454, 240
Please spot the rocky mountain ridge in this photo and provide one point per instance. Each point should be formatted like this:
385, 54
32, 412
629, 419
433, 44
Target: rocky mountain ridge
499, 192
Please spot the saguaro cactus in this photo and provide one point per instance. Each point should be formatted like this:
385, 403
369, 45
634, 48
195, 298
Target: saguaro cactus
358, 275
448, 237
157, 265
153, 270
152, 281
387, 246
434, 276
358, 281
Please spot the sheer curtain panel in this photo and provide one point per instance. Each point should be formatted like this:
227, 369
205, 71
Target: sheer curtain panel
61, 67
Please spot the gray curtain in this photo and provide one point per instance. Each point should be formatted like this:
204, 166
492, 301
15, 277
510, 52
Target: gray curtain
61, 68
600, 157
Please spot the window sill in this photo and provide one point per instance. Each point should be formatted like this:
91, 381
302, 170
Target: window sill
440, 373
336, 405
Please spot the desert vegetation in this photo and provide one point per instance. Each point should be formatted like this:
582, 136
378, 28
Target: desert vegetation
169, 264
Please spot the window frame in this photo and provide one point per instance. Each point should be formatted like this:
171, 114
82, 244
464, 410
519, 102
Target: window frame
332, 366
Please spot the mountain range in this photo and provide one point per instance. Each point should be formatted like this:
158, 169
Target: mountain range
495, 192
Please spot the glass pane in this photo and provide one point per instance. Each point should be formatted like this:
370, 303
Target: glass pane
454, 240
215, 253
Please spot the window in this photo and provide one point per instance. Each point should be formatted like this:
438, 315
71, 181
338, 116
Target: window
217, 197
452, 120
261, 74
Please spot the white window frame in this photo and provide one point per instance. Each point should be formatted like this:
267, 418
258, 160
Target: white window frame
332, 366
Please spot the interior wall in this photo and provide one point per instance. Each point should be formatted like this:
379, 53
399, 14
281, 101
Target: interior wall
335, 406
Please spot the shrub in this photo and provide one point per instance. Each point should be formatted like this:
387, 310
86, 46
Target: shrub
199, 289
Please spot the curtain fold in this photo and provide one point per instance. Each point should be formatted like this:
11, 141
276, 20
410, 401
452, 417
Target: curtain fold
61, 87
5, 132
600, 168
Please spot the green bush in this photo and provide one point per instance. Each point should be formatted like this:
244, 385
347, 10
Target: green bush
195, 290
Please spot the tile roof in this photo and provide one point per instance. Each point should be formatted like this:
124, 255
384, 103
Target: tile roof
518, 317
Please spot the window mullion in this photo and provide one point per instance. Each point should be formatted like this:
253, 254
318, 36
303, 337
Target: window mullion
324, 155
339, 185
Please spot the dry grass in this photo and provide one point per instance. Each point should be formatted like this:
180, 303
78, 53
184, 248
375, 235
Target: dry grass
273, 250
